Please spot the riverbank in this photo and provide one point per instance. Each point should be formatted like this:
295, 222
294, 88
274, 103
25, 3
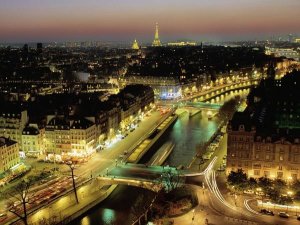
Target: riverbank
64, 209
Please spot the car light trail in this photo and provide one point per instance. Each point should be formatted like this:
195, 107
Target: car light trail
249, 208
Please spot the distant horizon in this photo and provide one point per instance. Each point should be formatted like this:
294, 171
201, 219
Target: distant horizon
284, 38
117, 20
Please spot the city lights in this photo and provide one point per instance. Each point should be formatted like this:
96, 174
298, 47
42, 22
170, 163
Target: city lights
142, 112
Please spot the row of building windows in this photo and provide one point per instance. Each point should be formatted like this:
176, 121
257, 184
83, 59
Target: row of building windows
260, 166
280, 174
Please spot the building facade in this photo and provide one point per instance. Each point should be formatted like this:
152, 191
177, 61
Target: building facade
273, 156
76, 137
33, 140
264, 140
9, 154
12, 123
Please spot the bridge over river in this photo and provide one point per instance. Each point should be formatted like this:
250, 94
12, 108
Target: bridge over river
149, 177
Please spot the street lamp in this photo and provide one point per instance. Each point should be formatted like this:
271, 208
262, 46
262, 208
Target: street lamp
193, 215
72, 167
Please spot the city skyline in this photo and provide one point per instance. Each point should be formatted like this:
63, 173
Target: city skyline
124, 21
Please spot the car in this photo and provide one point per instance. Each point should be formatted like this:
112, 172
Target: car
267, 212
3, 215
284, 215
298, 217
260, 193
250, 192
221, 168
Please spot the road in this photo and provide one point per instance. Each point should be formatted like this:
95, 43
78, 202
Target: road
218, 206
98, 164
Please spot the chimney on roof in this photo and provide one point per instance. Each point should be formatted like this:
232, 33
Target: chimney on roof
2, 139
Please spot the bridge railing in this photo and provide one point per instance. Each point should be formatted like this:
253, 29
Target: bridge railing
228, 87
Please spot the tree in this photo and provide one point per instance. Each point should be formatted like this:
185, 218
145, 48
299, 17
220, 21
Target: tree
279, 185
252, 183
19, 198
296, 186
170, 179
285, 200
72, 167
228, 108
265, 183
237, 178
274, 195
297, 195
141, 206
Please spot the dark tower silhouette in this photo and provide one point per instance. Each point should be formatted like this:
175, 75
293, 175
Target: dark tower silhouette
39, 47
271, 71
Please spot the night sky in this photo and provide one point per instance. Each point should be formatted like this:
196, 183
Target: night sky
123, 20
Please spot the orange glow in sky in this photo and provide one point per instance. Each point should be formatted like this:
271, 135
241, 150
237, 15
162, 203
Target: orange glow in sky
118, 19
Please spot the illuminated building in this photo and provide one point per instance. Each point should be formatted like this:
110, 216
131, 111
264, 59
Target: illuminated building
9, 154
156, 42
264, 140
135, 45
33, 140
164, 87
276, 155
135, 99
76, 137
182, 43
286, 52
12, 122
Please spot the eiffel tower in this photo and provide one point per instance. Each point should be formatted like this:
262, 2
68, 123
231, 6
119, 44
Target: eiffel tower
156, 41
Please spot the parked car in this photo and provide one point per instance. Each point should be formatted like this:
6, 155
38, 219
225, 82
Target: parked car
260, 193
267, 212
250, 192
221, 168
207, 155
284, 215
298, 217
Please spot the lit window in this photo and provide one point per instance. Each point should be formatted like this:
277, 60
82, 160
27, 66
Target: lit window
256, 172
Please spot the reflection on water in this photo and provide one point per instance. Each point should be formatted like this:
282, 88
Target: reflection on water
108, 216
115, 210
86, 221
186, 133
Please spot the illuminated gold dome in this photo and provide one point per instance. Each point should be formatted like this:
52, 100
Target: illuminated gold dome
135, 45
